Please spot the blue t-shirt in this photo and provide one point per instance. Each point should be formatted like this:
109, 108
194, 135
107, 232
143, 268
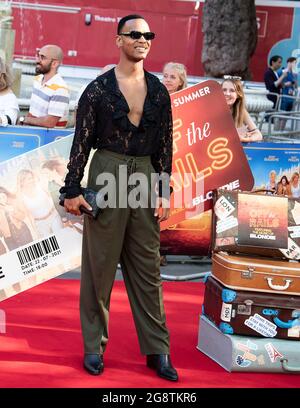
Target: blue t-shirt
291, 77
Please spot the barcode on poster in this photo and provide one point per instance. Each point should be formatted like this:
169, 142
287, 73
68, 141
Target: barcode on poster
37, 250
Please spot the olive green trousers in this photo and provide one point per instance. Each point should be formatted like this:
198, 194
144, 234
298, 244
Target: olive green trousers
130, 236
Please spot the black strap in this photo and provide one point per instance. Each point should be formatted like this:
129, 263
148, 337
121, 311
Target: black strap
8, 119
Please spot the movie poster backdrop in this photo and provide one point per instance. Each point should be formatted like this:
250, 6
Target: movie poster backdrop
207, 152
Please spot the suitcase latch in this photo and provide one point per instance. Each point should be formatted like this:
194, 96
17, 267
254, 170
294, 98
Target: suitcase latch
247, 274
245, 309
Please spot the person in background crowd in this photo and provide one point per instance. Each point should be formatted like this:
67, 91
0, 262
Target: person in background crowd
289, 84
235, 99
289, 88
49, 104
174, 77
295, 186
272, 80
271, 185
9, 108
284, 187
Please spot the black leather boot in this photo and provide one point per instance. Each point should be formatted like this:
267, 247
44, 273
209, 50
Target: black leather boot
93, 363
163, 366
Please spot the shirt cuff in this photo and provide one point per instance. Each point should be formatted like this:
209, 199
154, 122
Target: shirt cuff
71, 191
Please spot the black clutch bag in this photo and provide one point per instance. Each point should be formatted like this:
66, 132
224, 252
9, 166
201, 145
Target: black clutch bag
90, 196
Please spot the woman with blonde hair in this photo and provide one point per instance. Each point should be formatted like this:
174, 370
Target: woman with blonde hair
233, 91
174, 77
295, 186
9, 108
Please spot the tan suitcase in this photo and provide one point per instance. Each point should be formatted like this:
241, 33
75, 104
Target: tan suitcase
257, 274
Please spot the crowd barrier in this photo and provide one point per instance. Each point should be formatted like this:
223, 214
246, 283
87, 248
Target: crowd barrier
16, 140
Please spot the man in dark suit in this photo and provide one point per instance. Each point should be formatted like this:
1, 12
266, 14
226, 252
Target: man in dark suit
272, 81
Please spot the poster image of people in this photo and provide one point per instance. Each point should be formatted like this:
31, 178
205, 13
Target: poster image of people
35, 231
275, 167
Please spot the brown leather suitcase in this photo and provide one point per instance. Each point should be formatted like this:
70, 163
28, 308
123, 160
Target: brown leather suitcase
252, 313
257, 274
256, 223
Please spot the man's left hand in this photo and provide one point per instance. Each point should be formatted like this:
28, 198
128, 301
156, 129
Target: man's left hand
162, 210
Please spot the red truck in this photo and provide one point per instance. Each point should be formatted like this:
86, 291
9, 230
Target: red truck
85, 29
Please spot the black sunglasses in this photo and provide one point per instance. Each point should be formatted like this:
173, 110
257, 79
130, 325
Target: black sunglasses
233, 77
136, 35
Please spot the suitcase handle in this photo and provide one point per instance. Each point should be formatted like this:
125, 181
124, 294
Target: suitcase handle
262, 190
279, 287
286, 325
285, 366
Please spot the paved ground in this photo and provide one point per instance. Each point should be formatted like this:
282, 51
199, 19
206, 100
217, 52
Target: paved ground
178, 268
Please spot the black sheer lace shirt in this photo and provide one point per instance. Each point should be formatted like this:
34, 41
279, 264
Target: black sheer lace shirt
102, 123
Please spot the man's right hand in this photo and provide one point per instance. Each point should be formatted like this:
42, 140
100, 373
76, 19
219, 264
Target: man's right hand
72, 204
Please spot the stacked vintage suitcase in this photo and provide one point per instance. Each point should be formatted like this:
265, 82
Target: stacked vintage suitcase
251, 310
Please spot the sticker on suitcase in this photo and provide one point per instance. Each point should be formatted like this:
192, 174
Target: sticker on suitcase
263, 221
250, 345
296, 213
223, 208
248, 357
294, 231
242, 362
226, 312
261, 325
293, 251
294, 332
225, 241
272, 352
226, 224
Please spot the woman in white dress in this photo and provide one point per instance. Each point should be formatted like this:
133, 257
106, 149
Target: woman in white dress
9, 108
39, 204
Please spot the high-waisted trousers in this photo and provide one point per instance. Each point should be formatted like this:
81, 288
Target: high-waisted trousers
130, 236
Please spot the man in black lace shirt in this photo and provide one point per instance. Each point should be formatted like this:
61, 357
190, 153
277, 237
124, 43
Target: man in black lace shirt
126, 115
